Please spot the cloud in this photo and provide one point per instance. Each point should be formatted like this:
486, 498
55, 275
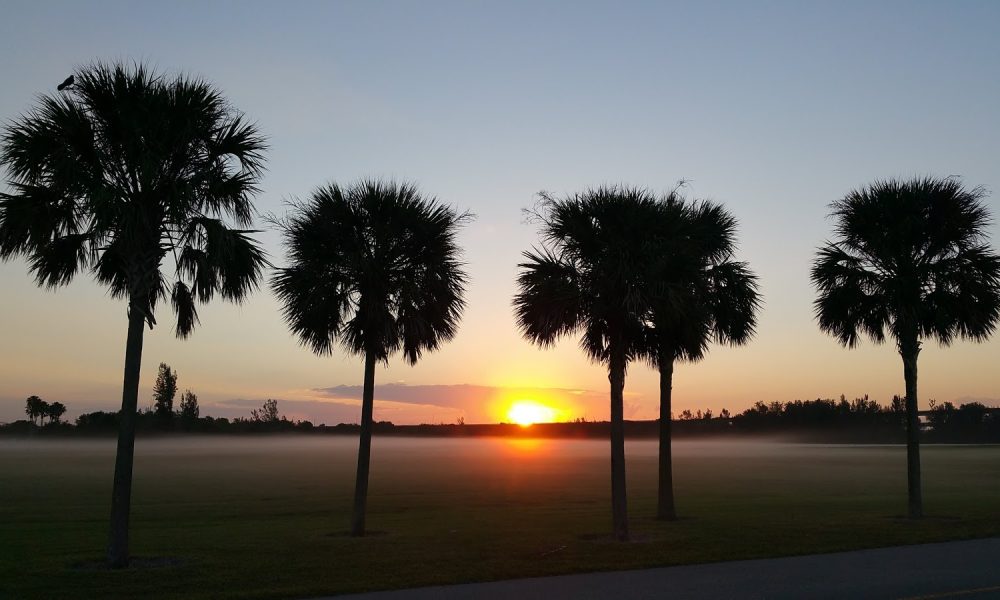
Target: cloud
440, 395
333, 411
404, 403
464, 395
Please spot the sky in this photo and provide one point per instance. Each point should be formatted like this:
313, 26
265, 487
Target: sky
774, 109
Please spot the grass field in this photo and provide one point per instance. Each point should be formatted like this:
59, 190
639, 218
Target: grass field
260, 517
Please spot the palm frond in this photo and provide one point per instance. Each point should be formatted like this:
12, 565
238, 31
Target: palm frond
699, 293
183, 302
910, 260
125, 168
549, 302
734, 299
56, 262
373, 266
590, 274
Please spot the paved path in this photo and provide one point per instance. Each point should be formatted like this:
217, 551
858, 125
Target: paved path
951, 570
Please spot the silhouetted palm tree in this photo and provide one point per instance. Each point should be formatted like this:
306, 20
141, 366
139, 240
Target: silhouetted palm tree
708, 297
589, 277
124, 169
911, 261
375, 267
36, 408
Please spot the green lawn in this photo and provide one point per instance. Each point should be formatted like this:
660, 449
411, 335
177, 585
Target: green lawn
259, 517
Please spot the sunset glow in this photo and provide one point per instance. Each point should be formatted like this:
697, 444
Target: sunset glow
528, 412
67, 345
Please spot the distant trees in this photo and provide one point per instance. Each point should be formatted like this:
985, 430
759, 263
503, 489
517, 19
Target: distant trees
189, 408
828, 420
98, 421
55, 412
268, 413
162, 413
910, 261
375, 267
36, 408
164, 391
804, 415
972, 422
122, 170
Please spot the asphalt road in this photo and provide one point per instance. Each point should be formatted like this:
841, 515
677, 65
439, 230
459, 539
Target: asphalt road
968, 570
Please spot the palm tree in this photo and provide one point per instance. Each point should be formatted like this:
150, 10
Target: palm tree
375, 267
122, 170
589, 277
56, 411
911, 261
710, 297
36, 408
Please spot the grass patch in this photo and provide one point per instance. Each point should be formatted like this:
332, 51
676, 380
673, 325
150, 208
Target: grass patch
264, 517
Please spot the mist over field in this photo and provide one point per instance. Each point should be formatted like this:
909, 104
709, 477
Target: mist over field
319, 472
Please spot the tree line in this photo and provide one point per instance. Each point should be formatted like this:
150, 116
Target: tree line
160, 417
147, 182
824, 420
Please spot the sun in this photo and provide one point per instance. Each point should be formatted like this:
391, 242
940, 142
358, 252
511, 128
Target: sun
528, 412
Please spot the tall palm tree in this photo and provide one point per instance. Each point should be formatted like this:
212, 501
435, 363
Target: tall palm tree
710, 297
589, 277
375, 267
123, 170
911, 261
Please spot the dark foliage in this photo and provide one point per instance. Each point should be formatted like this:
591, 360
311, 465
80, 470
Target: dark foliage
267, 413
189, 408
374, 267
701, 294
124, 169
164, 391
911, 261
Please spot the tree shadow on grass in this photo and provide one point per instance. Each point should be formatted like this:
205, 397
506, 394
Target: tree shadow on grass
609, 538
134, 563
347, 534
908, 520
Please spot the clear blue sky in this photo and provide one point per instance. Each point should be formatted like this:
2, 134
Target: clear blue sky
773, 108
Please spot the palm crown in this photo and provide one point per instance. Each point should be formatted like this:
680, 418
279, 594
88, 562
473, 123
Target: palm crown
124, 169
704, 295
912, 260
375, 266
591, 273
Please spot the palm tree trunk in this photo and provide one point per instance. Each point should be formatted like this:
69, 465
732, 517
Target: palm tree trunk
915, 499
364, 448
665, 509
121, 490
619, 509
